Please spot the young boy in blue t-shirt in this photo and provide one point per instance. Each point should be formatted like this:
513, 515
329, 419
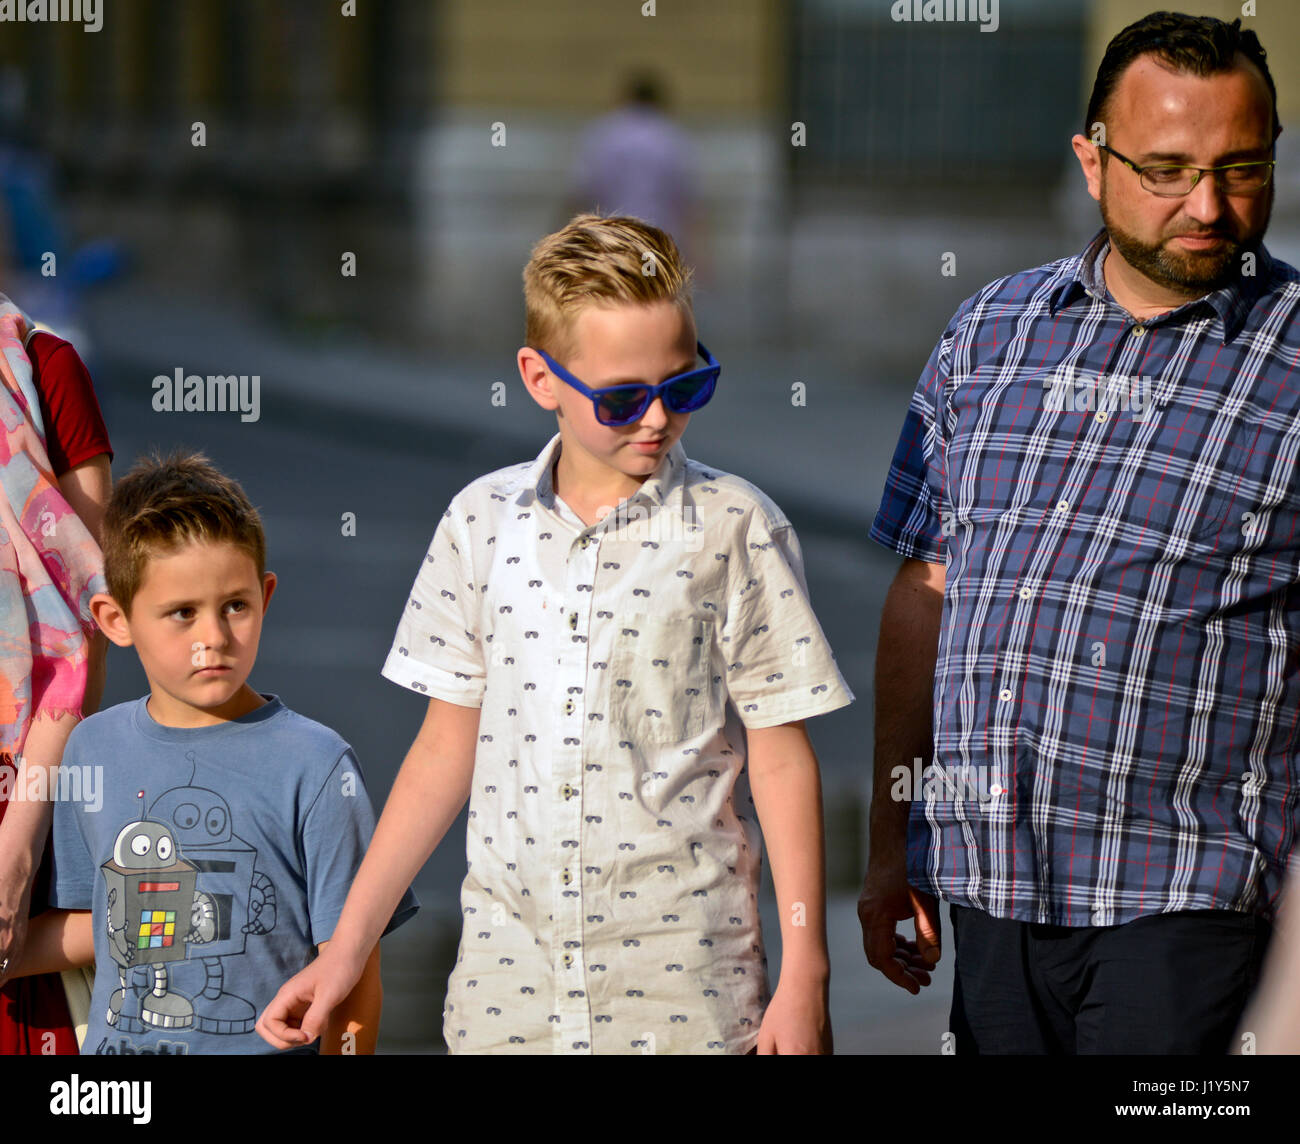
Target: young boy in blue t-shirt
225, 829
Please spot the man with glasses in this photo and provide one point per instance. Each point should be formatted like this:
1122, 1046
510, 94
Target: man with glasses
1104, 593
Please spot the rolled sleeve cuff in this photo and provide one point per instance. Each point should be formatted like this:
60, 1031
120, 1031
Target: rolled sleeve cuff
916, 546
432, 681
793, 706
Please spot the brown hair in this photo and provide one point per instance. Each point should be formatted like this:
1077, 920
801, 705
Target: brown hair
165, 502
594, 260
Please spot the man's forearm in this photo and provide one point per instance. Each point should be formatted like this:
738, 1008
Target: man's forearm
905, 661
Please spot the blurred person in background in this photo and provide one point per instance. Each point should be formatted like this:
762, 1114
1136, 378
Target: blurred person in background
636, 161
41, 265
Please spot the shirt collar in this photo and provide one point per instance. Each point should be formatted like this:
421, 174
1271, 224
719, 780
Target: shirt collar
534, 481
1232, 303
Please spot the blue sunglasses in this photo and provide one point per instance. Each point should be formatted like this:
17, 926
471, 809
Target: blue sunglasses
623, 404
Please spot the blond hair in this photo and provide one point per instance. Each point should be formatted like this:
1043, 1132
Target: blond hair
596, 260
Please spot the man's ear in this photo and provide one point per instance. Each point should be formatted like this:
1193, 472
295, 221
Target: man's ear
111, 619
537, 378
268, 589
1089, 156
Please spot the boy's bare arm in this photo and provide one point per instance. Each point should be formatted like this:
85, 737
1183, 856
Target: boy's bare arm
429, 791
353, 1027
56, 940
786, 785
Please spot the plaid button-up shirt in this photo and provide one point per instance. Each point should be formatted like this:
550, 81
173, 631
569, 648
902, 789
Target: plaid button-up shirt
1117, 691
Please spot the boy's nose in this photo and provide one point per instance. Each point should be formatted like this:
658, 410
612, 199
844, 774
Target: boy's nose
656, 417
212, 635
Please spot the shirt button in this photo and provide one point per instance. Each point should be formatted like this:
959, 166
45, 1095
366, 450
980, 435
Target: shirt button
568, 791
1026, 592
1005, 695
1138, 331
568, 961
573, 621
1098, 917
568, 706
565, 876
1062, 506
1102, 415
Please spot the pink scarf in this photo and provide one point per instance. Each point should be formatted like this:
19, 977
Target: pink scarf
50, 565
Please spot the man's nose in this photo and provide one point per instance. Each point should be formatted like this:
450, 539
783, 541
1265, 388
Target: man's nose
1205, 202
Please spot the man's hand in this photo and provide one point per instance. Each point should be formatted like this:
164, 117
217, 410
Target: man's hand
886, 900
299, 1012
797, 1021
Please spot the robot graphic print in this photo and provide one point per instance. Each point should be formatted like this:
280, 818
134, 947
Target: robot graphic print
182, 888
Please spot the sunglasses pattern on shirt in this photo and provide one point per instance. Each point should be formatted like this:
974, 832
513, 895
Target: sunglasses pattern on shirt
610, 903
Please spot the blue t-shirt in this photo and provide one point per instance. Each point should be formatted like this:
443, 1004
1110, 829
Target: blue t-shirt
214, 859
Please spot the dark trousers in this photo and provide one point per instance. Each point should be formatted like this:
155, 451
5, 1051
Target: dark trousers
1167, 983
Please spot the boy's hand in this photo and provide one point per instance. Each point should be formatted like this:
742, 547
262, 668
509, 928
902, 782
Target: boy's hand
797, 1021
431, 787
299, 1012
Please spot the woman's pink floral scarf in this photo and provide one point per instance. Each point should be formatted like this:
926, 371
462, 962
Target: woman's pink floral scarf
50, 565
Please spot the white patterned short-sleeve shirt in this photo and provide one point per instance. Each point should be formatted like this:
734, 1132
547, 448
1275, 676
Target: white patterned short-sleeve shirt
611, 899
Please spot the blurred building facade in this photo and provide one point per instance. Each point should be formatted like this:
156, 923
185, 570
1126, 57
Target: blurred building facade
239, 145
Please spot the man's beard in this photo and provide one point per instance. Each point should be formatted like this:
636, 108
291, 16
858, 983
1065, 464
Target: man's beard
1188, 272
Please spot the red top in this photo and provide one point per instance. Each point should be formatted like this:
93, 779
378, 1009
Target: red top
74, 426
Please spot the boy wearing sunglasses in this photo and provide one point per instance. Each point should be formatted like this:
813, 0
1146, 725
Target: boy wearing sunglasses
617, 647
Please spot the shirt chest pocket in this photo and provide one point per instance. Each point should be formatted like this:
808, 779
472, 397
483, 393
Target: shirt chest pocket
1208, 495
660, 677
